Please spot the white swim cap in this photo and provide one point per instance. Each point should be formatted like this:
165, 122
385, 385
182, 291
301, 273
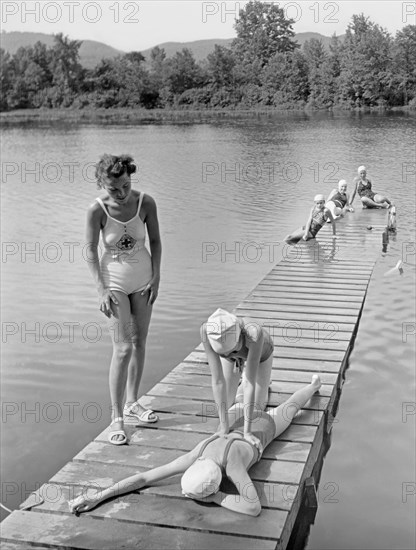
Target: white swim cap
223, 331
361, 168
201, 479
341, 183
319, 198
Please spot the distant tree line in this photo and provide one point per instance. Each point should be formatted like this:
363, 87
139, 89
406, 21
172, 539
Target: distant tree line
263, 67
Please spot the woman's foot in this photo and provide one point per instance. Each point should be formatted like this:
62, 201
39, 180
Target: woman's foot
117, 435
136, 411
316, 382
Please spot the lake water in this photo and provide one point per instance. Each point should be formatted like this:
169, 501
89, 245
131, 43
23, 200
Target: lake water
227, 193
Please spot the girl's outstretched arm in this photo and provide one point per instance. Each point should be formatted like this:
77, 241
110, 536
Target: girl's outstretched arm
308, 225
255, 337
86, 502
219, 387
247, 501
355, 190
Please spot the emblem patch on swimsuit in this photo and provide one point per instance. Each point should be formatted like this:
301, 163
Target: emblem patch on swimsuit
126, 242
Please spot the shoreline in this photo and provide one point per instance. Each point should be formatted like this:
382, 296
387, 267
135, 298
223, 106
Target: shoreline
147, 116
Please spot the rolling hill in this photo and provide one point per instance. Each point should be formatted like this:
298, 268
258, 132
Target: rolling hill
91, 52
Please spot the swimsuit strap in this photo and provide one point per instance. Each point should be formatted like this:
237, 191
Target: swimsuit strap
206, 443
100, 202
230, 442
140, 203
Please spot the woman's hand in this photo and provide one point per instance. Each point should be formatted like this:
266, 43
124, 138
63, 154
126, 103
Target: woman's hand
153, 288
82, 504
222, 430
105, 299
248, 436
305, 237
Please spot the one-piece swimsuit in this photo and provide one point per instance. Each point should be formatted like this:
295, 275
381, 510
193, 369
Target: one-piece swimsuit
262, 426
339, 200
126, 264
318, 221
364, 189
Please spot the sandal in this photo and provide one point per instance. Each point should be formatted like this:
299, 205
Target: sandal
111, 434
143, 417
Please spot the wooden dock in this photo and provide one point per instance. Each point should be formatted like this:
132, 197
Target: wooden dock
311, 302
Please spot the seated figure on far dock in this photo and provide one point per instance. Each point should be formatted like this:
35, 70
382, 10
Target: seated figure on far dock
203, 467
318, 216
339, 201
368, 197
238, 350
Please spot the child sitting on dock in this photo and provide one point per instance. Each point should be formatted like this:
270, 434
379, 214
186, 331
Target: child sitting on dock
339, 201
221, 454
369, 198
318, 216
238, 349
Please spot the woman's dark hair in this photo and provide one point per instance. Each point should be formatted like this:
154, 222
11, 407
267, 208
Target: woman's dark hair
113, 166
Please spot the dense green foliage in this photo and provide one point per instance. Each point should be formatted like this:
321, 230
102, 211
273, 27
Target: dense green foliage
263, 67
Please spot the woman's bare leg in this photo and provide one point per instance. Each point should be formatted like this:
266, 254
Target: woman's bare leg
119, 327
141, 313
295, 237
284, 413
369, 203
382, 200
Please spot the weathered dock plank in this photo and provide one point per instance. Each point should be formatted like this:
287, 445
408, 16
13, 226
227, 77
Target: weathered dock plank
64, 531
310, 302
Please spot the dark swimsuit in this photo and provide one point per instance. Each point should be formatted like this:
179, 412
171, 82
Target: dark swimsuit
318, 221
364, 190
339, 199
263, 427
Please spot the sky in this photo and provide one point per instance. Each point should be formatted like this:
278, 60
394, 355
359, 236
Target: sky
138, 25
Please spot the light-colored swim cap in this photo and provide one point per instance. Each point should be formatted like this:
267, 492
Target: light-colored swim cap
319, 198
223, 331
361, 168
341, 183
201, 479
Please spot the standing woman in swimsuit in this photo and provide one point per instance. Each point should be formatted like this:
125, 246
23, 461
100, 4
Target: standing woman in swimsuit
338, 200
127, 279
318, 216
369, 198
237, 347
203, 467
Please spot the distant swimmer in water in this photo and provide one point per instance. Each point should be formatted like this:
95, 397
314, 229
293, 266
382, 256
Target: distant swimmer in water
318, 216
339, 201
229, 455
369, 198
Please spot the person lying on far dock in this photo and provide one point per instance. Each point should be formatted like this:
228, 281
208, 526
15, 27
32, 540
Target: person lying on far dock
238, 350
369, 198
221, 454
339, 201
318, 216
